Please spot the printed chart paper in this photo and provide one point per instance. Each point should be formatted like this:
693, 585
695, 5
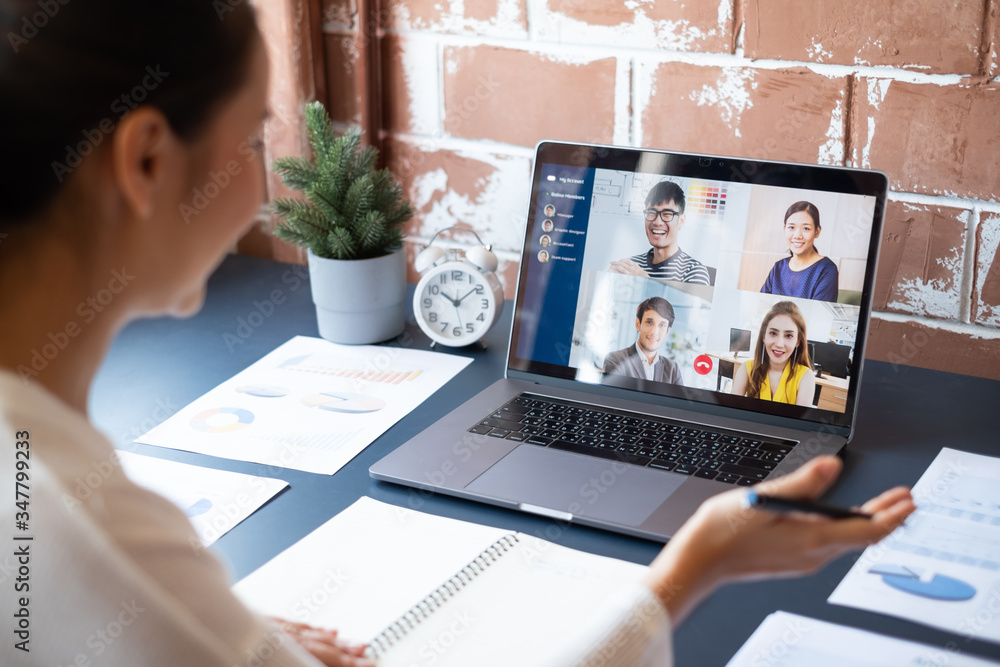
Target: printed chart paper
791, 640
309, 405
942, 568
215, 501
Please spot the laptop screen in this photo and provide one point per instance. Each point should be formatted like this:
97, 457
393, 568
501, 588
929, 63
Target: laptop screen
638, 266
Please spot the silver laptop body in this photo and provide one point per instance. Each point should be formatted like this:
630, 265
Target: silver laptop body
549, 439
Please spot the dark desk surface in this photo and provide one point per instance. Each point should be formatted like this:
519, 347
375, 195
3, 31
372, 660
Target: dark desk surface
158, 366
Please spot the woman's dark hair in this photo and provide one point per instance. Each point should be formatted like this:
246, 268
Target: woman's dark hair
810, 209
71, 69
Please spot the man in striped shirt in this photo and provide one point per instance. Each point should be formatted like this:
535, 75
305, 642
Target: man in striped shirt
664, 216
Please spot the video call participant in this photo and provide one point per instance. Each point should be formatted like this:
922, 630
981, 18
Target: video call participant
805, 273
664, 216
653, 319
780, 370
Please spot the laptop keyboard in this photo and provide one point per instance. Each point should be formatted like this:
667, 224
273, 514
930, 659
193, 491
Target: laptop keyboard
654, 442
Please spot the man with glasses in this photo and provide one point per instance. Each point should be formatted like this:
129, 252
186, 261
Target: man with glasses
664, 216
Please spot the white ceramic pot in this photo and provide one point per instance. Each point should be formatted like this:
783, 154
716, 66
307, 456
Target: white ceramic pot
359, 301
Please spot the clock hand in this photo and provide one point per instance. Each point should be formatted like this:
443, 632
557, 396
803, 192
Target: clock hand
467, 294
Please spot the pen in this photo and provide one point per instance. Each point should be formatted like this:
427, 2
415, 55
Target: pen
786, 505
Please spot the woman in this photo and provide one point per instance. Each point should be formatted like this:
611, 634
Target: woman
122, 110
804, 273
780, 370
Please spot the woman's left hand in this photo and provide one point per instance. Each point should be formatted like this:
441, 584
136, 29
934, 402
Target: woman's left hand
725, 541
325, 646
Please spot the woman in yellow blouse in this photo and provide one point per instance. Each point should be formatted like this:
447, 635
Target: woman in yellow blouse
780, 370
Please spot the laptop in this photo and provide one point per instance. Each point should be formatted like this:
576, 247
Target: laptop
627, 400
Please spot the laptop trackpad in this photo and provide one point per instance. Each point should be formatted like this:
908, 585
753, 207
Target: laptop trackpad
581, 485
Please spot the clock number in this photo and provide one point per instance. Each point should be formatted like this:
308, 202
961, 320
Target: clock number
444, 325
481, 318
471, 279
469, 327
486, 304
432, 317
456, 332
428, 303
457, 275
444, 278
479, 288
434, 289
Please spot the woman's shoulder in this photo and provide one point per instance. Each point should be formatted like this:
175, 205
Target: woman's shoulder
825, 264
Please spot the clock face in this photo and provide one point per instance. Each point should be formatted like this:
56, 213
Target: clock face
455, 304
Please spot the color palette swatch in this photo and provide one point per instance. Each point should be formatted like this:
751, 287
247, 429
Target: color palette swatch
706, 199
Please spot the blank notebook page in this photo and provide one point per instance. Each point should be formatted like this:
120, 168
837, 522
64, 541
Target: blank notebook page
364, 568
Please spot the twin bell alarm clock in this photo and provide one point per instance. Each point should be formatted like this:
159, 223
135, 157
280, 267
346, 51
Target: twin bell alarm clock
459, 296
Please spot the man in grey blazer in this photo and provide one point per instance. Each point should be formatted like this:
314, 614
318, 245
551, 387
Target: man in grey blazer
653, 319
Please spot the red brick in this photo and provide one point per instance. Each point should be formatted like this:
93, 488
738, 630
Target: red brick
914, 344
920, 263
692, 26
990, 46
396, 99
341, 13
520, 98
410, 85
986, 288
485, 192
926, 36
287, 36
929, 138
479, 17
774, 114
342, 78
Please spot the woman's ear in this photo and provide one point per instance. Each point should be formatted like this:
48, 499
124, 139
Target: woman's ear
141, 149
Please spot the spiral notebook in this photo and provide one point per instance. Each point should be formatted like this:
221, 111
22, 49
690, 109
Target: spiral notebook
428, 589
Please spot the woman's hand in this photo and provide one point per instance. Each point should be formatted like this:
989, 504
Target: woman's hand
324, 645
726, 542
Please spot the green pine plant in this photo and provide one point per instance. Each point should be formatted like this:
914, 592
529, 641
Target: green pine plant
350, 209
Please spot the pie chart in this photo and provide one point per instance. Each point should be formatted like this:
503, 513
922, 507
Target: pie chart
342, 401
938, 587
262, 390
198, 508
220, 420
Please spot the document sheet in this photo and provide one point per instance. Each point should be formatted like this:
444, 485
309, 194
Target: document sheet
309, 405
942, 568
790, 640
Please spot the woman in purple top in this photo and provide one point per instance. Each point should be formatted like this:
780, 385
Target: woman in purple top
804, 273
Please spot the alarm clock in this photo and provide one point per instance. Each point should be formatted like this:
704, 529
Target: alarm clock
459, 296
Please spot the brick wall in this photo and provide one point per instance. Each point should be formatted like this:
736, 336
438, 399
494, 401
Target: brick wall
911, 89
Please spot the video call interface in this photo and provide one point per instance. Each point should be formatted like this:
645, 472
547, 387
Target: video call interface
660, 282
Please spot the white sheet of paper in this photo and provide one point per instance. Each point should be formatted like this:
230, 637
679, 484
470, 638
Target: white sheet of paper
215, 501
791, 640
942, 568
345, 574
309, 405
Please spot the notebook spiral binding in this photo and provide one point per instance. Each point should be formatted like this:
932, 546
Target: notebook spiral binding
437, 598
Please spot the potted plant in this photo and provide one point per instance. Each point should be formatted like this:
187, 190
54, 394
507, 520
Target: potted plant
350, 220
